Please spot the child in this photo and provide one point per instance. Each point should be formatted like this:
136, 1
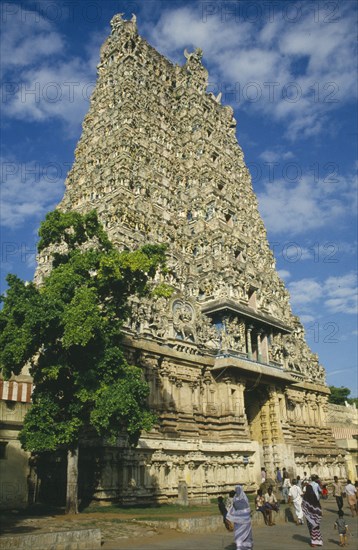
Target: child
324, 492
223, 511
229, 499
342, 527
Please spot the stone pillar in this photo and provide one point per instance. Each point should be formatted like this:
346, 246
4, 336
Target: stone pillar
150, 364
240, 407
248, 338
229, 405
259, 350
178, 386
207, 380
305, 410
322, 409
194, 386
275, 416
166, 389
183, 493
186, 398
173, 399
264, 346
310, 410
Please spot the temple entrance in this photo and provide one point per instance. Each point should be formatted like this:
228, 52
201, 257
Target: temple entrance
255, 400
262, 425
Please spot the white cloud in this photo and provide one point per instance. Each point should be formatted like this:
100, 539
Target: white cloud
336, 294
185, 27
342, 294
49, 83
300, 208
28, 191
306, 205
272, 156
305, 291
284, 274
26, 37
339, 371
307, 318
61, 91
302, 71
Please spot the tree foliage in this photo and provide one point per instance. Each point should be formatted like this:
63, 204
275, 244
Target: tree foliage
69, 329
340, 395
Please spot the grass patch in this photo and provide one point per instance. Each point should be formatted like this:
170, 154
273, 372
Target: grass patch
152, 511
156, 518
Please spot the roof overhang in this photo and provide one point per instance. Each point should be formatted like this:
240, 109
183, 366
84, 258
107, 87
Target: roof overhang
252, 367
230, 306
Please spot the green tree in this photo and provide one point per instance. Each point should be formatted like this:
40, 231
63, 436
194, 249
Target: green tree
69, 330
339, 395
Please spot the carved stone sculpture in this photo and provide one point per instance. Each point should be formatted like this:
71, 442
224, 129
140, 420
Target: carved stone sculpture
231, 375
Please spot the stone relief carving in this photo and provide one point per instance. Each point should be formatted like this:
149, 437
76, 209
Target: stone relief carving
159, 160
184, 321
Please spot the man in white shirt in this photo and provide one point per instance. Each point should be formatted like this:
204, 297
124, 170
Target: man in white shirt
270, 504
295, 496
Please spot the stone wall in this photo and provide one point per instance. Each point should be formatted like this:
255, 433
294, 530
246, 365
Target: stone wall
342, 415
14, 461
83, 539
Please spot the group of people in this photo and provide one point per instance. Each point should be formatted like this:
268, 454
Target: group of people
305, 495
266, 504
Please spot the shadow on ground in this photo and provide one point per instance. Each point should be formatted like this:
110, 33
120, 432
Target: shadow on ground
334, 541
302, 538
11, 519
289, 517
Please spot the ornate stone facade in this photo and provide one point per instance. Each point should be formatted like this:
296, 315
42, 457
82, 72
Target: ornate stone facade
232, 379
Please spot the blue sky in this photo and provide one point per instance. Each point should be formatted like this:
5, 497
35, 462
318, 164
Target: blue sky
289, 71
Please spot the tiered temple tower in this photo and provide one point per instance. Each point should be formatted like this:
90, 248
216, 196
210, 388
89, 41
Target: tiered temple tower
232, 379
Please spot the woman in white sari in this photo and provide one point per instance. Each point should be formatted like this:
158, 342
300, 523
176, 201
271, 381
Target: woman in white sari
240, 515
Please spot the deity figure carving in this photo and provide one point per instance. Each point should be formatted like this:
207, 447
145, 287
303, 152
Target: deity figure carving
183, 320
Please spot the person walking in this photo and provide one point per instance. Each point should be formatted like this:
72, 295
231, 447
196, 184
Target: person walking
341, 525
305, 480
285, 488
278, 476
240, 515
351, 493
312, 511
295, 496
299, 482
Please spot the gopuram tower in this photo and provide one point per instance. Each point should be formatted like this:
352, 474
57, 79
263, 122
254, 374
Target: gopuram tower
232, 380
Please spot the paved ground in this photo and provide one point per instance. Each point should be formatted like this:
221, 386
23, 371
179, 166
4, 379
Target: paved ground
120, 533
279, 537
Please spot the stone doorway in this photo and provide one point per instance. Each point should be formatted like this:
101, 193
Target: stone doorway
255, 400
261, 418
